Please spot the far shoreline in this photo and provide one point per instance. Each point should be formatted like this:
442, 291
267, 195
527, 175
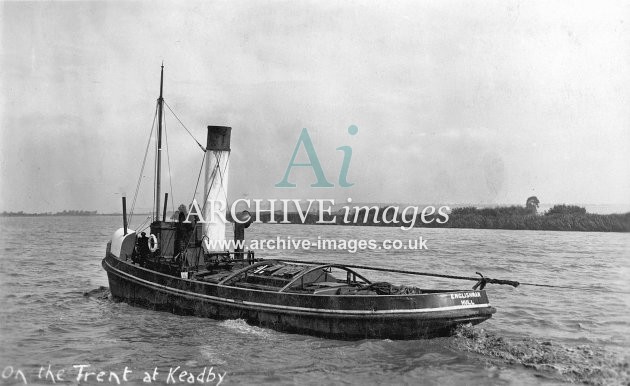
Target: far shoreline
557, 218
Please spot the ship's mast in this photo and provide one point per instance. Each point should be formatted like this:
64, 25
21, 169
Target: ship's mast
159, 149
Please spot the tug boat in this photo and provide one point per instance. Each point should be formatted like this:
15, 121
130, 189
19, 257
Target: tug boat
176, 269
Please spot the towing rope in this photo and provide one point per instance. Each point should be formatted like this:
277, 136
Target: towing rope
481, 281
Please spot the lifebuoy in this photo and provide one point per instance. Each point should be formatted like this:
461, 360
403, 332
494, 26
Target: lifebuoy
153, 243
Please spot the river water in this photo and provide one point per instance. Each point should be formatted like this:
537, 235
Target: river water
55, 313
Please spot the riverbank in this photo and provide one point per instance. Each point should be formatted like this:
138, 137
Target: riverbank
557, 218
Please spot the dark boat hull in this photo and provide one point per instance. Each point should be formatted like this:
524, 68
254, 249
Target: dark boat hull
341, 317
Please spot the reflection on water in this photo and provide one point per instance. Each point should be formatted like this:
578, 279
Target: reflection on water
56, 310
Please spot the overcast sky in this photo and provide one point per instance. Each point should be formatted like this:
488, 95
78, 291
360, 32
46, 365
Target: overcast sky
455, 102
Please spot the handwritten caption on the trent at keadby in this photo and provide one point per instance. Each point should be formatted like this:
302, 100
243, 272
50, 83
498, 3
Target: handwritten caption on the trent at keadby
89, 374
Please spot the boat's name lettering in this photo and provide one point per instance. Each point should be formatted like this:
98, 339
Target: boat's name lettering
466, 295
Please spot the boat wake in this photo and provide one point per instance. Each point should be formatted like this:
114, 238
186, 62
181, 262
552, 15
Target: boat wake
581, 364
101, 292
241, 326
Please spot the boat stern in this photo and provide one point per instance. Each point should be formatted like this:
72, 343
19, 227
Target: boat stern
471, 306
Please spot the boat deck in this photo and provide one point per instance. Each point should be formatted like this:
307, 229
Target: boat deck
291, 278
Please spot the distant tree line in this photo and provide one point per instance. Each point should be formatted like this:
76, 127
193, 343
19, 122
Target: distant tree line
62, 213
558, 218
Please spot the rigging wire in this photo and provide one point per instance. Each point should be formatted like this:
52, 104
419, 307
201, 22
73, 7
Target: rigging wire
142, 226
144, 160
218, 158
168, 159
184, 126
212, 179
193, 233
203, 160
203, 208
171, 236
216, 171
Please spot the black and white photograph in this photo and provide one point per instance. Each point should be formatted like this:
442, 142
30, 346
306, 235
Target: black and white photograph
285, 192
